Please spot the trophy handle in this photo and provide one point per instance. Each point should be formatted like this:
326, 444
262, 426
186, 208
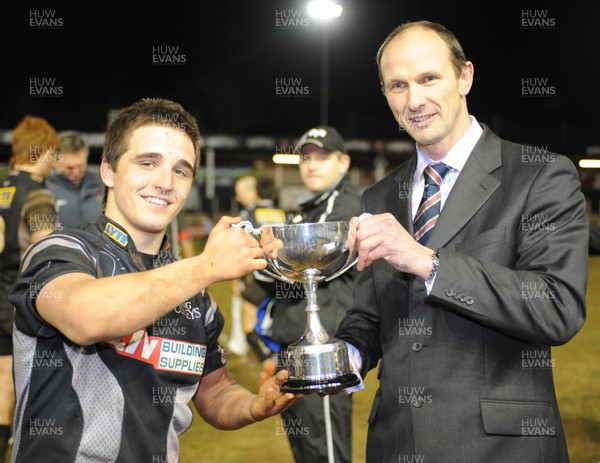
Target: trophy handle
272, 269
247, 225
342, 270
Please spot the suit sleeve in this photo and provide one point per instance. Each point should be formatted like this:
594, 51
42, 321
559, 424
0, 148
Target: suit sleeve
541, 299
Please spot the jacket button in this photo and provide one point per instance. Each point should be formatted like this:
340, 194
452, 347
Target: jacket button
417, 346
449, 292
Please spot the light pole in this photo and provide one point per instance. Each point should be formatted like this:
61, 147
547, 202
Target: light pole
324, 11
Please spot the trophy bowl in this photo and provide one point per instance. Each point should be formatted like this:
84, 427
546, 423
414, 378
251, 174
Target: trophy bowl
310, 253
317, 249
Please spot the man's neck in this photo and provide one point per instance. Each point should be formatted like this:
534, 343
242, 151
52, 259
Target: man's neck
437, 151
30, 169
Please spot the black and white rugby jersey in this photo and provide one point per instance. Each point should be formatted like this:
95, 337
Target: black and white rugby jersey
119, 401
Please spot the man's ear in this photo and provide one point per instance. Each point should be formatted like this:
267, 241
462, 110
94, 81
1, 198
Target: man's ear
345, 160
106, 173
465, 81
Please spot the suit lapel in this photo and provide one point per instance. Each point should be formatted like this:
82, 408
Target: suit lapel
472, 189
398, 201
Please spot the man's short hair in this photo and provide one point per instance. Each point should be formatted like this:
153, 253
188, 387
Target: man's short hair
71, 141
457, 55
148, 111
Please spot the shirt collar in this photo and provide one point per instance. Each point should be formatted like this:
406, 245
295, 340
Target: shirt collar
457, 156
119, 235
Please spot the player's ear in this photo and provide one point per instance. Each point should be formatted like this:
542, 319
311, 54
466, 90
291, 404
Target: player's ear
106, 173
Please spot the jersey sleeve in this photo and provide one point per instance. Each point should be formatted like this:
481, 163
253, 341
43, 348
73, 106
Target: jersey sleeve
213, 323
44, 261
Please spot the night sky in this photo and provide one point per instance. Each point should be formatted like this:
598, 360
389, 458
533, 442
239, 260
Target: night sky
232, 60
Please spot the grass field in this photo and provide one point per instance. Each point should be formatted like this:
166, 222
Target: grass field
577, 374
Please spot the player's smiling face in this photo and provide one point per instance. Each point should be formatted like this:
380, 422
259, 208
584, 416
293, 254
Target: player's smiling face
152, 181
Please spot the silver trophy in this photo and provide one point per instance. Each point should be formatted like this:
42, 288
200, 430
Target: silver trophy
310, 253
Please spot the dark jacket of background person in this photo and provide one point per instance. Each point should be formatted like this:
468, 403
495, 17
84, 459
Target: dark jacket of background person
77, 204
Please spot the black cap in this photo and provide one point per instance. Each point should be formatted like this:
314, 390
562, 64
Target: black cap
324, 137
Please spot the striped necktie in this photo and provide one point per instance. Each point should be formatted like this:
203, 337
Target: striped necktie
429, 209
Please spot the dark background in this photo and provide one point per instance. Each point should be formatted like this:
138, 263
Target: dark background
234, 51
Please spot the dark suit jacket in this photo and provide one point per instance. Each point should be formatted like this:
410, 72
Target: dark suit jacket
466, 372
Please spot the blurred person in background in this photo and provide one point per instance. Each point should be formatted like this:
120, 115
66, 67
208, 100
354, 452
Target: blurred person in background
324, 165
78, 192
27, 211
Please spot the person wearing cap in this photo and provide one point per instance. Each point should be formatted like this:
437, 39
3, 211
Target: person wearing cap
324, 166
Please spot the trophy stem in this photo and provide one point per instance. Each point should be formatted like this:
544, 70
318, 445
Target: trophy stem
310, 286
314, 332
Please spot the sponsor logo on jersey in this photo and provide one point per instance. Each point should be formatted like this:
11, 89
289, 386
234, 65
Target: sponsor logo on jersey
116, 234
7, 194
163, 353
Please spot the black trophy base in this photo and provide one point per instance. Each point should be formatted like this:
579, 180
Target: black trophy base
325, 387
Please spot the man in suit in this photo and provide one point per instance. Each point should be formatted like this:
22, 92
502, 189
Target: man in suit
460, 308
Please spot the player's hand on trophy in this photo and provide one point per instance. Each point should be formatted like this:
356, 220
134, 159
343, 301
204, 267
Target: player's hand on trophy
270, 399
231, 251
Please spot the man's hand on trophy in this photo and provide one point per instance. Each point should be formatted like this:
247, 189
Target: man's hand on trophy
270, 399
352, 243
269, 244
231, 252
381, 236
